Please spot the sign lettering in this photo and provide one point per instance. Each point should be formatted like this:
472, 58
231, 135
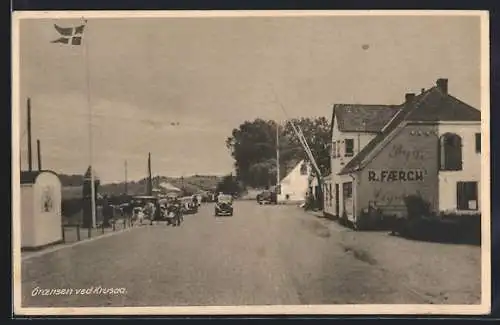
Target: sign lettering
396, 175
399, 151
386, 197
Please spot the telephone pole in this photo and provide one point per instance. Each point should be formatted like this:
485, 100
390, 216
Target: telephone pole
277, 155
150, 180
126, 179
39, 155
30, 158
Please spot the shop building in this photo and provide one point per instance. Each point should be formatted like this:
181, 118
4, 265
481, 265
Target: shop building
429, 146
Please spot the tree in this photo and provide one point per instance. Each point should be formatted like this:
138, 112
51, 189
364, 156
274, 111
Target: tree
250, 144
229, 185
318, 137
253, 147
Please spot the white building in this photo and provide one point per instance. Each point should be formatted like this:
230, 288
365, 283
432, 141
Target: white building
41, 197
295, 185
353, 127
428, 146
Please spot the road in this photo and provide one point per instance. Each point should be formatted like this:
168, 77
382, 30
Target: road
262, 255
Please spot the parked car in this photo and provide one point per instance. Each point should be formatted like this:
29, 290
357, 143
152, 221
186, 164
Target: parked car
267, 197
224, 205
188, 205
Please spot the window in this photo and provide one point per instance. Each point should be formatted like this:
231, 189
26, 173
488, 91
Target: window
467, 196
330, 196
347, 190
338, 149
334, 149
349, 147
450, 152
478, 142
303, 169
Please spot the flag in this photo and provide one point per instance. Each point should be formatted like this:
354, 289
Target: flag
69, 35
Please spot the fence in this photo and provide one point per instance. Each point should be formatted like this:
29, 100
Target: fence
73, 231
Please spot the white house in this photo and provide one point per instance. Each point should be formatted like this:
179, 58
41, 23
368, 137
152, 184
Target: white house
41, 197
353, 127
429, 146
293, 187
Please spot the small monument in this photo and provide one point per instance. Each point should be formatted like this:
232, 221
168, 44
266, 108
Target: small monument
87, 197
41, 196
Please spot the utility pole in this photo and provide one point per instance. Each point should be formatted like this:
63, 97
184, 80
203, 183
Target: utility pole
39, 154
277, 156
150, 181
30, 159
126, 179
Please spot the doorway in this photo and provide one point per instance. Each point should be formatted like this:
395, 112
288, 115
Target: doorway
337, 200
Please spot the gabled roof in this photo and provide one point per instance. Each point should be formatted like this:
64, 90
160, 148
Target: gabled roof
363, 118
439, 107
430, 106
293, 170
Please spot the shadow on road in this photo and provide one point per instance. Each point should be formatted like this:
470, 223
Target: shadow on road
360, 255
436, 232
444, 238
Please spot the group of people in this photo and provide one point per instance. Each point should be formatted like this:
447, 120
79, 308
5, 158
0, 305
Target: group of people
155, 211
170, 210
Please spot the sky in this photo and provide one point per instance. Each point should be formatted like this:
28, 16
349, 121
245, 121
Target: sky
177, 87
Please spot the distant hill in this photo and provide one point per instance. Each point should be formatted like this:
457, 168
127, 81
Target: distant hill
195, 183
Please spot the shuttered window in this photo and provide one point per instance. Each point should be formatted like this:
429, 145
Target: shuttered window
450, 152
349, 147
467, 196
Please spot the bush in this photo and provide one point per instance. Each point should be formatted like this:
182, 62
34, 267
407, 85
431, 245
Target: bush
417, 207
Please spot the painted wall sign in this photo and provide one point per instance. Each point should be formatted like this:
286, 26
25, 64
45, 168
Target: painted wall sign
398, 151
382, 196
396, 175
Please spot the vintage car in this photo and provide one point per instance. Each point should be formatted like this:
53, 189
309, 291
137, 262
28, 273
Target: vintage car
267, 197
188, 206
224, 205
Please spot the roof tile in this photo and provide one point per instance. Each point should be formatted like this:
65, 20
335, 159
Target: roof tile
363, 118
430, 106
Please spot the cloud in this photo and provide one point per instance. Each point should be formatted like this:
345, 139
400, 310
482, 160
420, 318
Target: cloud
122, 131
177, 87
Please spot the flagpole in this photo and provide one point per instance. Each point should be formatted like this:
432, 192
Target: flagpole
91, 145
277, 153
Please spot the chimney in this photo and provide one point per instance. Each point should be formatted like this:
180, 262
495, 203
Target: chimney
409, 97
442, 84
39, 154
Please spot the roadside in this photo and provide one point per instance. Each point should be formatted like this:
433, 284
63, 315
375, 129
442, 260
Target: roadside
73, 235
443, 273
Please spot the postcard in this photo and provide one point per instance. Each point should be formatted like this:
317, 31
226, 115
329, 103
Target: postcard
251, 162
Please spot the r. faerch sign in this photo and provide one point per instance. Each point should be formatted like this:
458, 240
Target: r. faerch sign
396, 175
